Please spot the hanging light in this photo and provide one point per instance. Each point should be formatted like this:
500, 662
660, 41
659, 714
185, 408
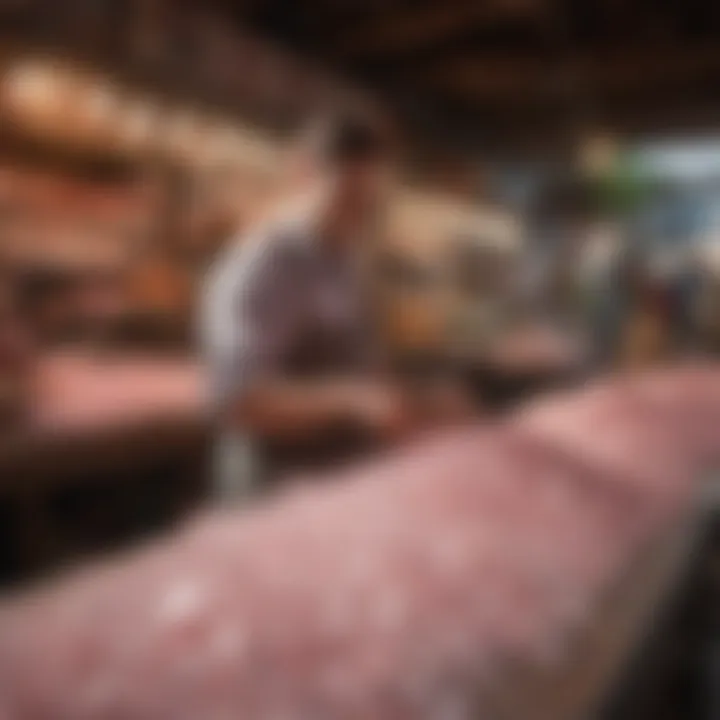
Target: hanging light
100, 104
598, 154
91, 112
137, 119
33, 93
30, 82
182, 137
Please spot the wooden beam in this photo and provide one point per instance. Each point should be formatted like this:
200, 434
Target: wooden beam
613, 72
658, 116
662, 117
490, 78
548, 136
410, 28
637, 68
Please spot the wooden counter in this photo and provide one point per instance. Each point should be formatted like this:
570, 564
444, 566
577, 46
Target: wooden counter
111, 445
89, 413
588, 683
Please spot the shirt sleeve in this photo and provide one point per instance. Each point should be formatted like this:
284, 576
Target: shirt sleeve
249, 319
370, 350
368, 346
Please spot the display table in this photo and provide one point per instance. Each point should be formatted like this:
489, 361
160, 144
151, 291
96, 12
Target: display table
101, 426
609, 660
518, 362
90, 412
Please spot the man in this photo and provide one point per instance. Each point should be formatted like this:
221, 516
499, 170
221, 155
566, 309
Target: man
285, 321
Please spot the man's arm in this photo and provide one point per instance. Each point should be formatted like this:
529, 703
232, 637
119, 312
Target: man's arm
253, 309
293, 409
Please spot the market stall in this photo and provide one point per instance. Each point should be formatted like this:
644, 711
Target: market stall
106, 444
120, 195
481, 573
454, 299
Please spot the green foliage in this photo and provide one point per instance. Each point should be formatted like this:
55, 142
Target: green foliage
623, 190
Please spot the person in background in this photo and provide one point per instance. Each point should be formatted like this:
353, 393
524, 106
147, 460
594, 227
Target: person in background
686, 291
605, 296
644, 334
562, 217
17, 349
293, 362
48, 301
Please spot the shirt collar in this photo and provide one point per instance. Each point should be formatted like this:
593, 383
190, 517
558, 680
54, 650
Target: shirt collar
302, 216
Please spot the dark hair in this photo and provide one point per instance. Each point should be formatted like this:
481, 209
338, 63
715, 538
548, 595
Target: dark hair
347, 136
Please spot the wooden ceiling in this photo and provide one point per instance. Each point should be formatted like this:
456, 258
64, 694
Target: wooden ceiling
510, 71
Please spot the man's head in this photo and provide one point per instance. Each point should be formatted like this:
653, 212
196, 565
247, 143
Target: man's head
350, 153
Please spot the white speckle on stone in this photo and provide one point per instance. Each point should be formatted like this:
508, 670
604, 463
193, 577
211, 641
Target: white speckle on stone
181, 602
339, 683
337, 614
390, 611
359, 568
228, 642
96, 696
449, 706
451, 554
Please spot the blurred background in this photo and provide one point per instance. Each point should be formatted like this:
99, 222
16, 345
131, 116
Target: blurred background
557, 216
558, 213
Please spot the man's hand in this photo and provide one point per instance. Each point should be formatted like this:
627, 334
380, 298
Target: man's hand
445, 403
394, 413
295, 409
381, 409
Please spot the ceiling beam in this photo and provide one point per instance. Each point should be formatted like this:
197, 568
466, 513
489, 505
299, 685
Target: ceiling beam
411, 28
611, 72
662, 114
657, 116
